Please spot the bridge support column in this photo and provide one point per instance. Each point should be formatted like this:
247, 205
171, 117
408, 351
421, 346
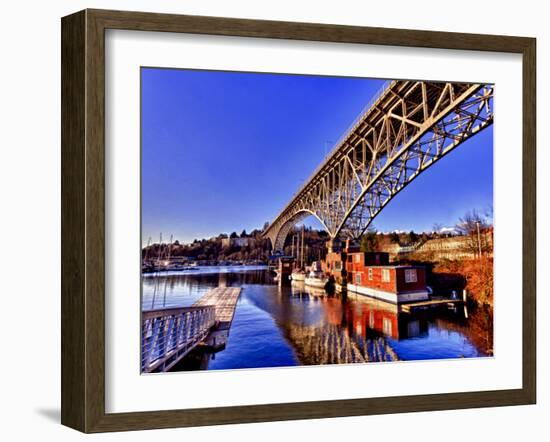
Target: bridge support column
334, 245
344, 258
285, 270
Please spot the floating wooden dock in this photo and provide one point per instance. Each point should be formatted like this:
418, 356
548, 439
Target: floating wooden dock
411, 306
224, 299
170, 334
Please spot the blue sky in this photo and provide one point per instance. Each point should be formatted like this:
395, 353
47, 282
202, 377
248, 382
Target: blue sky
225, 151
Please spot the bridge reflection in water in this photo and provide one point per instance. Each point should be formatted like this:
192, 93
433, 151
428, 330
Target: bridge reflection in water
285, 326
353, 329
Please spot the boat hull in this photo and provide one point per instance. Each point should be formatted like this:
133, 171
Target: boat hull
315, 282
298, 277
394, 298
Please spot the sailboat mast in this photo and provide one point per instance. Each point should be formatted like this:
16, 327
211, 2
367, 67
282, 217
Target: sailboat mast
146, 254
302, 246
169, 254
159, 254
168, 257
156, 270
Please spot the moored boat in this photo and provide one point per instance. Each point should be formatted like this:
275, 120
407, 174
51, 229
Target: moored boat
298, 275
316, 277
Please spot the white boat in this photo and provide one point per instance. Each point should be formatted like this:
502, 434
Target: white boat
313, 279
298, 275
300, 288
316, 277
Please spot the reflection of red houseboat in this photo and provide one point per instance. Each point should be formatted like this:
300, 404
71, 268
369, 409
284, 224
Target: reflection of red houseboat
371, 274
383, 318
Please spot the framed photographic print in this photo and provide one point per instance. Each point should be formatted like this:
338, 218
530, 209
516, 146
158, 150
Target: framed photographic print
269, 220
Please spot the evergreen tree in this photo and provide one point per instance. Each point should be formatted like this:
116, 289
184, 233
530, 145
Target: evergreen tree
369, 241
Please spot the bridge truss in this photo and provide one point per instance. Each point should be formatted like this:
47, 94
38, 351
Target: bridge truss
408, 128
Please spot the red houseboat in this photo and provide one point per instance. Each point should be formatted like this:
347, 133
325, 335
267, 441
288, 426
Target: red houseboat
371, 274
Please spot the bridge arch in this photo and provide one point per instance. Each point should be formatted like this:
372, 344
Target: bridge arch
410, 126
278, 234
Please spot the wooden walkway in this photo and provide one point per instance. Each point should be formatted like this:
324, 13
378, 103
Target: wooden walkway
409, 307
224, 299
170, 334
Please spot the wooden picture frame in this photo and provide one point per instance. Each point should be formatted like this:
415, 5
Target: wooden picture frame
83, 219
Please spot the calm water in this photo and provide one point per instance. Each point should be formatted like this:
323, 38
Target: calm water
285, 326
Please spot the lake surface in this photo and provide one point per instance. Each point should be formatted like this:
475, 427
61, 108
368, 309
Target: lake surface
296, 325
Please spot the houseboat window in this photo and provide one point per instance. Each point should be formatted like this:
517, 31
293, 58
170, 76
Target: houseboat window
413, 329
338, 266
385, 275
387, 326
358, 258
358, 278
370, 274
410, 275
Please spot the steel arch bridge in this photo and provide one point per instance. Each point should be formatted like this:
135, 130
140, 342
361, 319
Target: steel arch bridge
407, 127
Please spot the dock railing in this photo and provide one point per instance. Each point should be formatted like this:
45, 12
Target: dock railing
169, 334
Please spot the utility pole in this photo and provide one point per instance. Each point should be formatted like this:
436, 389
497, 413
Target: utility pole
479, 248
478, 239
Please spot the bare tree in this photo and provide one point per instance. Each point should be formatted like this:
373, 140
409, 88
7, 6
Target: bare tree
476, 228
488, 212
437, 228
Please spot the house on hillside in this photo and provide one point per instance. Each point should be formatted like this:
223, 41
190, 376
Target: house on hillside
238, 242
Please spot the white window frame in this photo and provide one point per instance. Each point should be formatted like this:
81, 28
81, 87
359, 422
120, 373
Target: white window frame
386, 275
387, 326
370, 273
358, 278
411, 276
358, 258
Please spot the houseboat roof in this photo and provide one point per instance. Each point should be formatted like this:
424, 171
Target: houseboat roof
397, 266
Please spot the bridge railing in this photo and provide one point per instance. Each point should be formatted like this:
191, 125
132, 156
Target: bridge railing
361, 114
377, 95
168, 334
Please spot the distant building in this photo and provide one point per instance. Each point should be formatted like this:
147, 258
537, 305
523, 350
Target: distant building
237, 242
